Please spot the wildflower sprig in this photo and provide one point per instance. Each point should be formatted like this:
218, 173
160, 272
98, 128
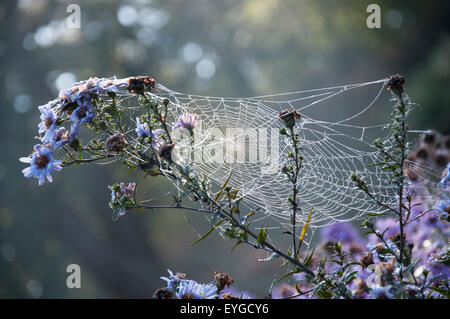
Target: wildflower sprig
394, 150
292, 170
148, 145
89, 122
334, 284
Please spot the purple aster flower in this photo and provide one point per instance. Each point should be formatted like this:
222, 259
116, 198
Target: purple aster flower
48, 123
173, 280
143, 130
189, 289
63, 137
122, 198
187, 121
83, 113
93, 86
443, 208
41, 164
127, 190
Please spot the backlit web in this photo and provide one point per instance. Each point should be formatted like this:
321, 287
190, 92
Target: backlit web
238, 137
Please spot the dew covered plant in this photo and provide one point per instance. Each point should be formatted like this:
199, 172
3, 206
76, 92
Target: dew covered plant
405, 253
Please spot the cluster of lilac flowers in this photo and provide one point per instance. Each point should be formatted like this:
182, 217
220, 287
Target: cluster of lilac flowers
182, 288
74, 106
179, 287
377, 273
143, 131
122, 197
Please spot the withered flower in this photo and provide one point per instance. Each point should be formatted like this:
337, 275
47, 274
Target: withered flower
163, 293
222, 280
289, 117
367, 260
229, 296
138, 84
115, 143
395, 84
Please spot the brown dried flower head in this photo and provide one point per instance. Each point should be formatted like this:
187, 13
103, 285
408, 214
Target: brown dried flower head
138, 84
222, 280
115, 143
163, 293
395, 84
367, 259
289, 117
229, 296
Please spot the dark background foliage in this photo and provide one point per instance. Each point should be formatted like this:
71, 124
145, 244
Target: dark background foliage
248, 48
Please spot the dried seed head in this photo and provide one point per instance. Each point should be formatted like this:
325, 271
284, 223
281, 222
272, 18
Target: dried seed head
115, 143
396, 238
229, 296
138, 84
222, 280
361, 287
289, 117
395, 84
367, 259
181, 276
163, 293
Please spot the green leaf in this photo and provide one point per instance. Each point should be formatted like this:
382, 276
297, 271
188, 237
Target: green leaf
287, 275
262, 236
309, 258
237, 244
207, 234
223, 186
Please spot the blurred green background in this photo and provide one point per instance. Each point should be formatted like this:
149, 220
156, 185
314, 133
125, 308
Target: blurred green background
225, 48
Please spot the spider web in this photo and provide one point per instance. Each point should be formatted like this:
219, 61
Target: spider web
332, 151
238, 140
